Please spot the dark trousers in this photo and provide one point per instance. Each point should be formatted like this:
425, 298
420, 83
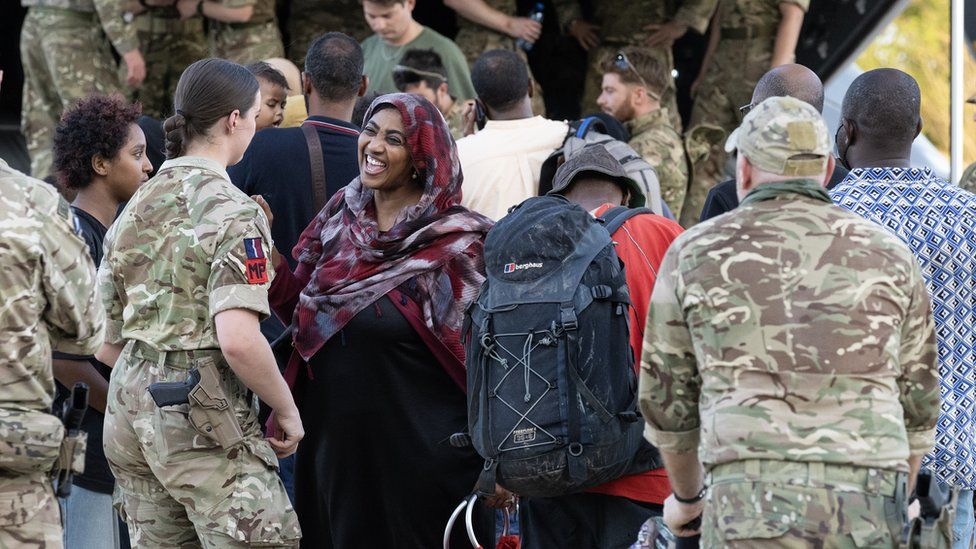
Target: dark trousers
583, 521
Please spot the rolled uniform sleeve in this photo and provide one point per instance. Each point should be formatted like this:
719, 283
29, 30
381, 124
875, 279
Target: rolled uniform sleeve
111, 299
119, 32
802, 4
696, 14
241, 271
919, 381
76, 324
669, 380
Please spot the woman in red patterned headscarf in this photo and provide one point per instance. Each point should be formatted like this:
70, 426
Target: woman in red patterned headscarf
385, 273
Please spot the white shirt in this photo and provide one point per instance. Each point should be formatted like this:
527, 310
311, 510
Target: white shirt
501, 163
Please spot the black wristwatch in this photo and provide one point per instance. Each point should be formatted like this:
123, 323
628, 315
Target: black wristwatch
200, 9
700, 496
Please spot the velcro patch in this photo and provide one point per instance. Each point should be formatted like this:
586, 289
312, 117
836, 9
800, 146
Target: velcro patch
256, 264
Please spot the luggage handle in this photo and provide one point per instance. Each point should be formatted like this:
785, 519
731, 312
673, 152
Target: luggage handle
469, 527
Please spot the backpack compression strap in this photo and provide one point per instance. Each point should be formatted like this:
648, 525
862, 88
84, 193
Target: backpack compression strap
615, 217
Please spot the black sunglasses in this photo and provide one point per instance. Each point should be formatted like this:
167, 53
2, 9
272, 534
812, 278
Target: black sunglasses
624, 64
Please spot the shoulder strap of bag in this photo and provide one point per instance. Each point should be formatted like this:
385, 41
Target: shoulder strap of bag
316, 162
615, 217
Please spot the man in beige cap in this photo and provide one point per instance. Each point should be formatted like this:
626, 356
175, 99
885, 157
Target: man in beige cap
789, 357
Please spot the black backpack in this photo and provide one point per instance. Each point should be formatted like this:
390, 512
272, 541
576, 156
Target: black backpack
552, 404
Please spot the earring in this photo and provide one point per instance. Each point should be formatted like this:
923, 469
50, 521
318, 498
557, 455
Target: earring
414, 176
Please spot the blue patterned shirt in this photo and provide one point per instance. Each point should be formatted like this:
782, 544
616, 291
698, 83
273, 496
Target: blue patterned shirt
937, 220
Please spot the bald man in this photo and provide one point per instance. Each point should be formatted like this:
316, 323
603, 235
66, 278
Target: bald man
790, 80
880, 118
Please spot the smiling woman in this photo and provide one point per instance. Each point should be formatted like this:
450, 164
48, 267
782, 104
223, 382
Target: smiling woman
385, 273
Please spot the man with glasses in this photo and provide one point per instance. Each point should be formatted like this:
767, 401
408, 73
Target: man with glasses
790, 80
634, 82
422, 72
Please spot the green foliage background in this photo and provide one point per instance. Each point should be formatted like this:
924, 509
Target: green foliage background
917, 42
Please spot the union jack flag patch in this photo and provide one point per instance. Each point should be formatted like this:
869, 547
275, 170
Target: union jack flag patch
256, 263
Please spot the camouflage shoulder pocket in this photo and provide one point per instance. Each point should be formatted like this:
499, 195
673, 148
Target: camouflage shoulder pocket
30, 442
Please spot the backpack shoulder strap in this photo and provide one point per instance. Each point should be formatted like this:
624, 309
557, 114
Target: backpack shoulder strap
316, 160
615, 217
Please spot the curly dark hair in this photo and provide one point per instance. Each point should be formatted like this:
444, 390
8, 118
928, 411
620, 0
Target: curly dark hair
97, 124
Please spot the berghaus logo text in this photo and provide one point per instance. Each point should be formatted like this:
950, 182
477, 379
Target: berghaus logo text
512, 267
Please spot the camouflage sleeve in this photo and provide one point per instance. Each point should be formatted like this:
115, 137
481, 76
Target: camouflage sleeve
696, 14
241, 271
111, 300
919, 380
669, 378
122, 34
668, 159
236, 3
803, 4
567, 11
76, 324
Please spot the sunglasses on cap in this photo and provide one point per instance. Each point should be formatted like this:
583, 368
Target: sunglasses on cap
744, 109
621, 62
417, 75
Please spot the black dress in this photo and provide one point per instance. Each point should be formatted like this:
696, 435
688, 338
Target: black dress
375, 468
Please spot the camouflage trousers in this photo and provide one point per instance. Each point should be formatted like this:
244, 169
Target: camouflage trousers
29, 512
594, 80
768, 503
731, 78
178, 488
66, 57
246, 42
168, 46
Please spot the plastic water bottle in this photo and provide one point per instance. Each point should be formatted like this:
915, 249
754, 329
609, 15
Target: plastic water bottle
535, 15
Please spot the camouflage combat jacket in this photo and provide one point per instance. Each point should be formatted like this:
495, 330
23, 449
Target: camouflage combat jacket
790, 329
187, 246
47, 290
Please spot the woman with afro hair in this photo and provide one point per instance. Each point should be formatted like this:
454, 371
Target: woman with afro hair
99, 153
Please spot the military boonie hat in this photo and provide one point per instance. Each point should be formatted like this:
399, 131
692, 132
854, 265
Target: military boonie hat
596, 159
775, 134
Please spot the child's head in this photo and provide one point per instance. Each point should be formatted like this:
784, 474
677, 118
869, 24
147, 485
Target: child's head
274, 92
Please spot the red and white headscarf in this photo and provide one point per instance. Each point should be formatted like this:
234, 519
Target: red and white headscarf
436, 245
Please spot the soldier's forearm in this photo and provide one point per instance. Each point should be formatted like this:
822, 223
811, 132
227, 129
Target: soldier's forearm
788, 34
478, 12
69, 372
914, 466
685, 472
109, 353
218, 12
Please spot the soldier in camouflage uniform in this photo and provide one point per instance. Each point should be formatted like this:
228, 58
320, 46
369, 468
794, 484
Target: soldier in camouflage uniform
790, 343
47, 287
633, 84
625, 23
169, 46
66, 56
748, 38
188, 250
242, 31
309, 19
